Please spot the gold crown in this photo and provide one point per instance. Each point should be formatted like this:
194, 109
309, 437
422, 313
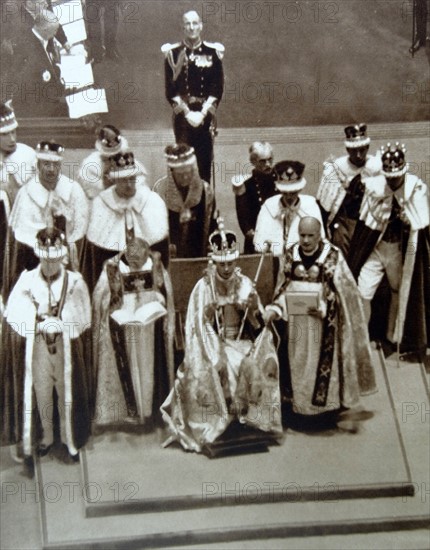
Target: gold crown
223, 244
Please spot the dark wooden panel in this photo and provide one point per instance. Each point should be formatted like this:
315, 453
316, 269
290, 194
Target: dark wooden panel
185, 272
71, 133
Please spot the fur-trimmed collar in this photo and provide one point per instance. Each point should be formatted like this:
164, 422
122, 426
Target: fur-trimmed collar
372, 166
119, 204
40, 195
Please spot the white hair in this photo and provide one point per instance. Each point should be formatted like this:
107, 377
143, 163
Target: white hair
259, 149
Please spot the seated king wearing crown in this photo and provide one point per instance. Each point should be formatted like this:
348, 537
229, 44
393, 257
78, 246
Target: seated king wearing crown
230, 371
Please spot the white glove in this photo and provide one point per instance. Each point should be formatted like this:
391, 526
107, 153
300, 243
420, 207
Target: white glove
269, 315
194, 118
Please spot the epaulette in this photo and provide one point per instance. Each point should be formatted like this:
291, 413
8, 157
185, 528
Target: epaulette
166, 48
220, 49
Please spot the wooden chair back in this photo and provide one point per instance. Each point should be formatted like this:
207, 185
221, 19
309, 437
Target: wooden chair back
185, 272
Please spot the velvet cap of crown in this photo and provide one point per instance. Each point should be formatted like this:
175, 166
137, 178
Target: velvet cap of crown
122, 165
393, 160
223, 245
356, 136
50, 244
49, 150
289, 176
109, 141
8, 121
179, 154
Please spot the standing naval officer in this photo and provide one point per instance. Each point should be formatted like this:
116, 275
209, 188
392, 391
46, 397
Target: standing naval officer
250, 194
194, 86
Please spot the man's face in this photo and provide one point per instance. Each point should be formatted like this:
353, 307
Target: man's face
309, 236
183, 175
49, 172
357, 155
263, 163
8, 142
192, 26
46, 24
289, 198
225, 269
51, 265
126, 187
136, 254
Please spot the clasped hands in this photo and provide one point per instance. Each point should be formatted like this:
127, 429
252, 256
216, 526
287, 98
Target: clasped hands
57, 206
210, 310
251, 304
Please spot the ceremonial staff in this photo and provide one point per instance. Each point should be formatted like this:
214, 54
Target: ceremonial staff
266, 248
414, 16
214, 132
211, 284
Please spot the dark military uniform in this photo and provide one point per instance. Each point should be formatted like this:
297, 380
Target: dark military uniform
193, 75
38, 89
249, 198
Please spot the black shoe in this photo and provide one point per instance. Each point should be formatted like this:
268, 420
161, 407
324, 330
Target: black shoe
63, 455
388, 348
72, 459
28, 470
75, 458
67, 458
43, 450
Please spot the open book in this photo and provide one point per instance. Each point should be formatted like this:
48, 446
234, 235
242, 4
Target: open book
145, 315
302, 295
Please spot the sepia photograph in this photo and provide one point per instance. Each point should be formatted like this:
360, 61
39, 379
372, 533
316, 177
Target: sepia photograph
215, 274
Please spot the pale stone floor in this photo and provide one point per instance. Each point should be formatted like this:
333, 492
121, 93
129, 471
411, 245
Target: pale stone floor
20, 521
